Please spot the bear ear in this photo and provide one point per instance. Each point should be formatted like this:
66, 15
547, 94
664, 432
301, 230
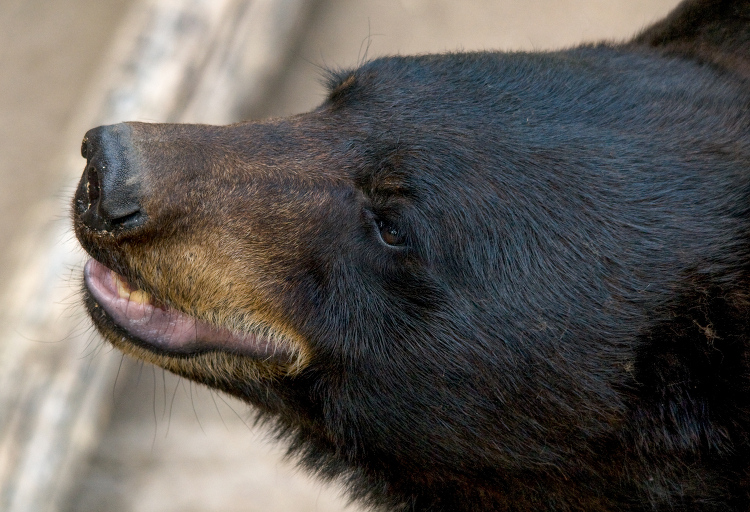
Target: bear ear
710, 31
340, 84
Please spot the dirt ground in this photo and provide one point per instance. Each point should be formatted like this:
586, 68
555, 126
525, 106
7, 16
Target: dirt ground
171, 445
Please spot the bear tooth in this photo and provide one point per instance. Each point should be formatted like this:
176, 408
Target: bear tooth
140, 297
123, 290
126, 292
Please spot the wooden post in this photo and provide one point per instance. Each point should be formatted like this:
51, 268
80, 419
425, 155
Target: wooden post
173, 60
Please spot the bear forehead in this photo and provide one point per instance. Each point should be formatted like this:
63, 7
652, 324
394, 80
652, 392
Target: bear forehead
598, 74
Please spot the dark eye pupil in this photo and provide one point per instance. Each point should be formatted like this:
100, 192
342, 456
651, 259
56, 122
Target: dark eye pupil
389, 233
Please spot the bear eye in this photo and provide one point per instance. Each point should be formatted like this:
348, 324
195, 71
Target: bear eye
389, 233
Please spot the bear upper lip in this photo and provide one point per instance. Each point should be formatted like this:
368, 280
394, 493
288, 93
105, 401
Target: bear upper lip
162, 328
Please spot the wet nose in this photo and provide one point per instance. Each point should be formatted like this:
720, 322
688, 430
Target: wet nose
108, 197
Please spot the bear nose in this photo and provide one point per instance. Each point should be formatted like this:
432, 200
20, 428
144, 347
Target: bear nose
109, 193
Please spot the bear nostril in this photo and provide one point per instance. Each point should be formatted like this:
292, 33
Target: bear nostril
92, 186
130, 221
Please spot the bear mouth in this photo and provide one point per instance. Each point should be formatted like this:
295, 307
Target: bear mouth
163, 329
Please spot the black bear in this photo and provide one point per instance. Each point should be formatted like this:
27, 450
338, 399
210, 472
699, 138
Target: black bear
466, 282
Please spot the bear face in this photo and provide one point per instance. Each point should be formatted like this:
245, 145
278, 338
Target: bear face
477, 281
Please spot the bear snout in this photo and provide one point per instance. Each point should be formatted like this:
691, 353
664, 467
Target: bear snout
108, 197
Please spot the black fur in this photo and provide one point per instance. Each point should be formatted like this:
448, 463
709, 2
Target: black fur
561, 322
567, 326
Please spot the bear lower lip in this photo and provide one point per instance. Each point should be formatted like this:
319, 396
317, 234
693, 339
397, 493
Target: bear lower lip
165, 329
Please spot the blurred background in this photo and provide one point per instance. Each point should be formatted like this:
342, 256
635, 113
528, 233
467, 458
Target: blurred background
81, 428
